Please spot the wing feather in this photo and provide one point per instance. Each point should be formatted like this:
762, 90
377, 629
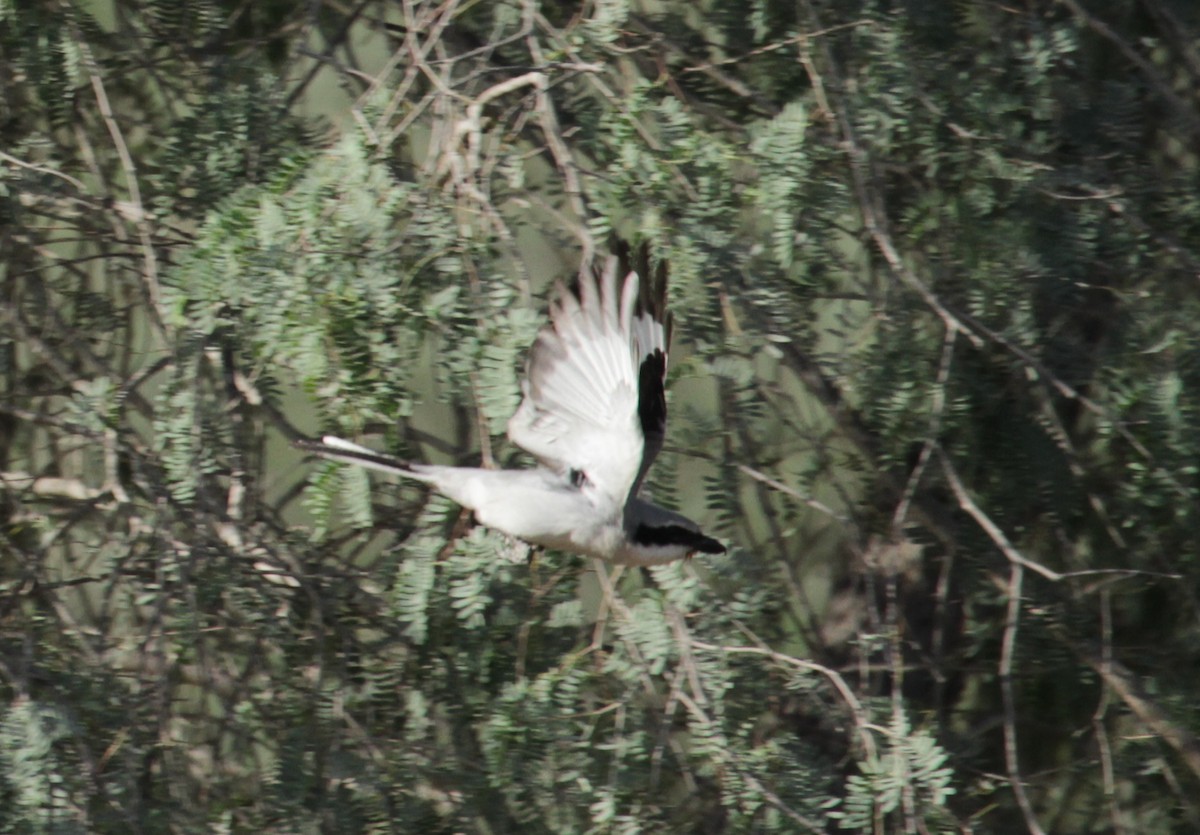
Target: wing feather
651, 336
591, 402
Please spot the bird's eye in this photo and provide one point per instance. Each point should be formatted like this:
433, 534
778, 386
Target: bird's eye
577, 478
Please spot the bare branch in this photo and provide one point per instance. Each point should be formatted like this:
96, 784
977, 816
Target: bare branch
1125, 685
989, 527
861, 724
137, 209
50, 487
1007, 651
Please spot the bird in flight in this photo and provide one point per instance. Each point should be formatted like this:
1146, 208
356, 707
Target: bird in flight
593, 414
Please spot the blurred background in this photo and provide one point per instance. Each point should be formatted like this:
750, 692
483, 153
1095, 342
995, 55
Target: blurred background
934, 380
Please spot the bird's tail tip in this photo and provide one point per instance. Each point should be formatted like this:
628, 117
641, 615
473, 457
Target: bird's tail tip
334, 442
339, 449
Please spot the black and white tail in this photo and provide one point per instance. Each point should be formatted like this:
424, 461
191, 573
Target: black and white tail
337, 449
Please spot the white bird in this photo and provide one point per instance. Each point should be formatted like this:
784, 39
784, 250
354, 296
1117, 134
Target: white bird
594, 415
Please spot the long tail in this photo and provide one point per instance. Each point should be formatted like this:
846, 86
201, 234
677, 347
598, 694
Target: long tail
336, 449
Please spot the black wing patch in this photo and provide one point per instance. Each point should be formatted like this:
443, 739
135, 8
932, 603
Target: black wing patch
676, 535
652, 399
652, 373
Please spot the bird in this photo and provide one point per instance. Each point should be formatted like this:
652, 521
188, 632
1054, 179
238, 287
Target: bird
593, 414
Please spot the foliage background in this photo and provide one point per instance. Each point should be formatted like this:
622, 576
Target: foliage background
935, 381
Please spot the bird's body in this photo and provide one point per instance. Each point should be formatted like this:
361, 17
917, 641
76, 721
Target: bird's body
594, 415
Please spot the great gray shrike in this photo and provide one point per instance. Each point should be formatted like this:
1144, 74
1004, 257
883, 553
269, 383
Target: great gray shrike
593, 414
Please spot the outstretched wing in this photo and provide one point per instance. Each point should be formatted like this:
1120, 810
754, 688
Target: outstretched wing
585, 384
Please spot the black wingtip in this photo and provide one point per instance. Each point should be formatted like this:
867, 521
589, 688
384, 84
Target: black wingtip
652, 289
652, 284
652, 398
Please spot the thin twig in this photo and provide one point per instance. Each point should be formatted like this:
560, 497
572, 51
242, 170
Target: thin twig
1007, 650
777, 45
1101, 713
900, 516
1125, 685
856, 709
42, 169
989, 527
50, 487
137, 209
779, 486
